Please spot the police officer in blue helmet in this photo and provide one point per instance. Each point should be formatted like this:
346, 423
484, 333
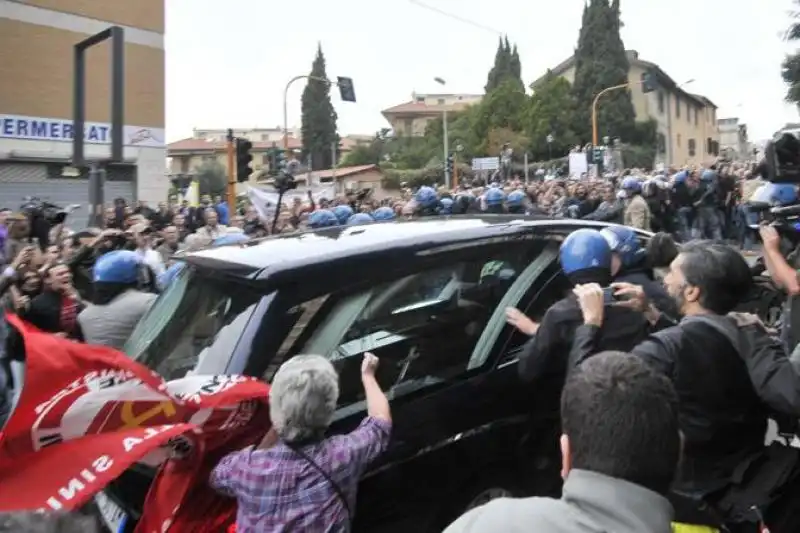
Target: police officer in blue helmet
446, 206
585, 257
683, 204
359, 219
118, 299
322, 218
629, 265
515, 202
427, 202
494, 200
464, 202
384, 214
343, 213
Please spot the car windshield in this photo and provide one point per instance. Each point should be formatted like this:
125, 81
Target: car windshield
194, 326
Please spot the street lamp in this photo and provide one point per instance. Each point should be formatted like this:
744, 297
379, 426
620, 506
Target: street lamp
550, 139
441, 81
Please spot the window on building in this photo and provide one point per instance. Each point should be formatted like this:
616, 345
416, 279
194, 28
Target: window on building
692, 147
408, 126
661, 139
677, 107
661, 102
440, 101
265, 159
678, 140
185, 165
420, 99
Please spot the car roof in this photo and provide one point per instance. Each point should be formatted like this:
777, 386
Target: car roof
266, 256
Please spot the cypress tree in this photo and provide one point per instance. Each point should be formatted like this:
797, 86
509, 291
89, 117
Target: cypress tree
601, 62
507, 66
318, 117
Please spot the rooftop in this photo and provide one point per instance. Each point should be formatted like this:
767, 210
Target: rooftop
633, 57
192, 144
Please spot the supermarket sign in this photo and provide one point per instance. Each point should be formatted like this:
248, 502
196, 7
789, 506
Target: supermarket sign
59, 130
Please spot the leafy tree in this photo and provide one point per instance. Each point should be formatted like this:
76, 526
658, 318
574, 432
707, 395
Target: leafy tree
498, 137
551, 112
507, 66
460, 130
791, 64
501, 108
600, 63
371, 153
211, 177
318, 117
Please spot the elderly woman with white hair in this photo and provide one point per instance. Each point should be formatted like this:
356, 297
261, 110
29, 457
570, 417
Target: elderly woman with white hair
297, 479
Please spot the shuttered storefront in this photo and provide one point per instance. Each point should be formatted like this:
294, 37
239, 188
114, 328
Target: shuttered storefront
43, 180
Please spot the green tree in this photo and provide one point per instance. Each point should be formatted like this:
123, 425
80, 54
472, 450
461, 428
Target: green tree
371, 153
600, 63
503, 108
318, 117
791, 64
507, 66
551, 111
211, 177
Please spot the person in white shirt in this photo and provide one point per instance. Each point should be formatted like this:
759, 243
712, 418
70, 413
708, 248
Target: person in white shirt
142, 235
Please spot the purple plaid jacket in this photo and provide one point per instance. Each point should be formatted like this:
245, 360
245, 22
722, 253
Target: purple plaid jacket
278, 491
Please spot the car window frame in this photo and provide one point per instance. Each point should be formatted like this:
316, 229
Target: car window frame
486, 347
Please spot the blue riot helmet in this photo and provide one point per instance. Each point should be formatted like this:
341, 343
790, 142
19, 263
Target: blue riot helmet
230, 238
120, 267
515, 199
446, 206
624, 242
322, 218
494, 199
632, 185
359, 219
426, 197
681, 177
776, 194
585, 257
343, 213
383, 214
708, 176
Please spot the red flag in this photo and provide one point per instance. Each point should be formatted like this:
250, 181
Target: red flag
86, 413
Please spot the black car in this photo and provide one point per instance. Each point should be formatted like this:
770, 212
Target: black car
428, 297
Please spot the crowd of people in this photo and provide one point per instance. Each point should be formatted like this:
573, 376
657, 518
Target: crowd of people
667, 391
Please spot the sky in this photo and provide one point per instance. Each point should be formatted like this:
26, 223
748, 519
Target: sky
228, 62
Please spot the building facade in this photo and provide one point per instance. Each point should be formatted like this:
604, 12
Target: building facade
412, 117
209, 145
687, 123
734, 143
36, 100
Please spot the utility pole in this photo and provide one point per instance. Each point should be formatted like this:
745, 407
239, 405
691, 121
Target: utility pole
231, 188
116, 35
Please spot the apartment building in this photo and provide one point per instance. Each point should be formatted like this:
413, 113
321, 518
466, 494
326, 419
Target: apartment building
36, 101
412, 117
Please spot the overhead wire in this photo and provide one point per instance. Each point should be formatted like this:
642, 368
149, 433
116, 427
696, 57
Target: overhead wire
459, 18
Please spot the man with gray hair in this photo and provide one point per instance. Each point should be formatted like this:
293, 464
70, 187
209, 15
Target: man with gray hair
298, 479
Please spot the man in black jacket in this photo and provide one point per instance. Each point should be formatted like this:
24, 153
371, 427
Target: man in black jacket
730, 376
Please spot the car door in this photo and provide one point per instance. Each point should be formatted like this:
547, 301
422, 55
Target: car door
428, 329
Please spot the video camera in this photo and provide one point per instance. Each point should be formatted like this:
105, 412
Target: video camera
42, 216
781, 162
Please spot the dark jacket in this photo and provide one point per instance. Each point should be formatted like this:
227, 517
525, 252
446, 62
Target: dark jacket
729, 378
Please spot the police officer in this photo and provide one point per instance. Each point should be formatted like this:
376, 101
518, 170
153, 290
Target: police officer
629, 264
119, 303
783, 268
585, 258
730, 376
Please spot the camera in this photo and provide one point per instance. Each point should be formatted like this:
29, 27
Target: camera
781, 162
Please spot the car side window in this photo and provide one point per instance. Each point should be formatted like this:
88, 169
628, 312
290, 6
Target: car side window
540, 298
422, 326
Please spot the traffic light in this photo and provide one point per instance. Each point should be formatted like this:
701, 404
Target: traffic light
448, 165
648, 82
597, 156
346, 90
243, 159
277, 159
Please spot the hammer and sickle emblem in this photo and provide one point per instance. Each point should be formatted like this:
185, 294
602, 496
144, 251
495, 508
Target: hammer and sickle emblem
132, 420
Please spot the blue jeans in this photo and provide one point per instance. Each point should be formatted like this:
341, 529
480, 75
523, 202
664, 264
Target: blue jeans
706, 224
